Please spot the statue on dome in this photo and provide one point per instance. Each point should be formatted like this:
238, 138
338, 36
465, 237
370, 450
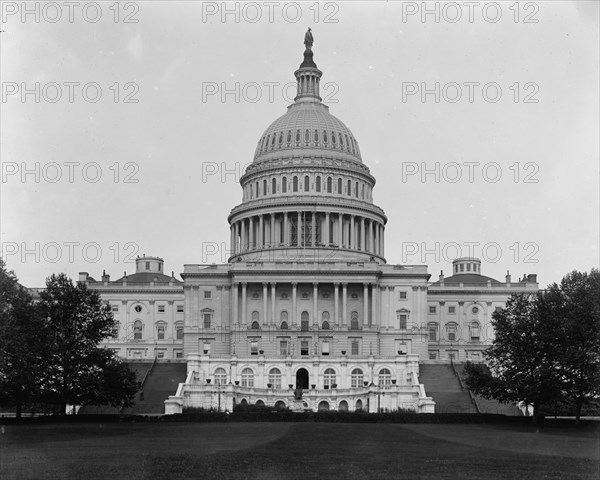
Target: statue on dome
308, 40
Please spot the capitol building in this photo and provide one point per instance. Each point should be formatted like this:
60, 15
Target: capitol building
307, 313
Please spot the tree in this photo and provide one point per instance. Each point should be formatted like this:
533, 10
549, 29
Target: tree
573, 307
522, 362
23, 345
547, 346
80, 373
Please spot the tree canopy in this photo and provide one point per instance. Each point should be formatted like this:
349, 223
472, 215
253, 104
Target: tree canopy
50, 350
546, 346
23, 349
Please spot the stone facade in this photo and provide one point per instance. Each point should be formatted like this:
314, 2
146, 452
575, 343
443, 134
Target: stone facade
148, 307
306, 314
460, 307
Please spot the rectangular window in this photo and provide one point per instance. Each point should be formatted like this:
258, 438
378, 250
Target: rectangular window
325, 348
451, 310
161, 332
354, 347
304, 325
207, 320
402, 295
452, 333
179, 308
432, 309
147, 265
207, 294
160, 354
432, 333
179, 332
161, 309
178, 354
114, 308
475, 333
433, 355
304, 346
254, 347
283, 347
403, 319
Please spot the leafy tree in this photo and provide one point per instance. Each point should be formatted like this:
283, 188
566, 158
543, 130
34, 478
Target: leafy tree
23, 345
80, 373
522, 362
573, 308
547, 347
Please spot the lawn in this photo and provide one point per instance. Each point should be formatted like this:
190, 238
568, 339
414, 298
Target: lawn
296, 451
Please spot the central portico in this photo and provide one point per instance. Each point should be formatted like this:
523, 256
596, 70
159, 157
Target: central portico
306, 314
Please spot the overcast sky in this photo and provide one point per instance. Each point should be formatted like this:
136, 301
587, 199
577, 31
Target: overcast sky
147, 114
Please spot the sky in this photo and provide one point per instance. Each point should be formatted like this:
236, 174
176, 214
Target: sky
125, 127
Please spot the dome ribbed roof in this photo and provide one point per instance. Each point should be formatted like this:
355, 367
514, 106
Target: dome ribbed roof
307, 126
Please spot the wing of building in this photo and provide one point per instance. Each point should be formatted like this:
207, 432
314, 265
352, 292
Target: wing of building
307, 313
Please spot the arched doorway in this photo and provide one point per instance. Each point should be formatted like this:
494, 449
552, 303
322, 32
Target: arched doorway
343, 406
280, 405
302, 379
323, 406
359, 405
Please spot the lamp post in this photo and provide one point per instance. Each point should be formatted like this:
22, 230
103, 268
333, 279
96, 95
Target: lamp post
219, 396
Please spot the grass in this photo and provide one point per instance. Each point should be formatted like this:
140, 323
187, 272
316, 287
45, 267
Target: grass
296, 451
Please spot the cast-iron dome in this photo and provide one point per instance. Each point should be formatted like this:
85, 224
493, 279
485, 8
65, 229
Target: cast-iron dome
308, 128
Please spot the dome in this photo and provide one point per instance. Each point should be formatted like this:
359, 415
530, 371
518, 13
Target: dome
307, 127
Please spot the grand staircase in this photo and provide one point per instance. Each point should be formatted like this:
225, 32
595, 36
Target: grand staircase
490, 406
443, 385
161, 380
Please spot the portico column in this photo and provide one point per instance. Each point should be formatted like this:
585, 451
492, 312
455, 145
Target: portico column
315, 298
243, 316
352, 236
336, 303
382, 241
234, 302
375, 309
390, 305
251, 241
313, 225
366, 304
344, 303
286, 230
376, 249
382, 309
273, 295
362, 234
294, 293
299, 239
326, 240
265, 293
340, 231
231, 239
